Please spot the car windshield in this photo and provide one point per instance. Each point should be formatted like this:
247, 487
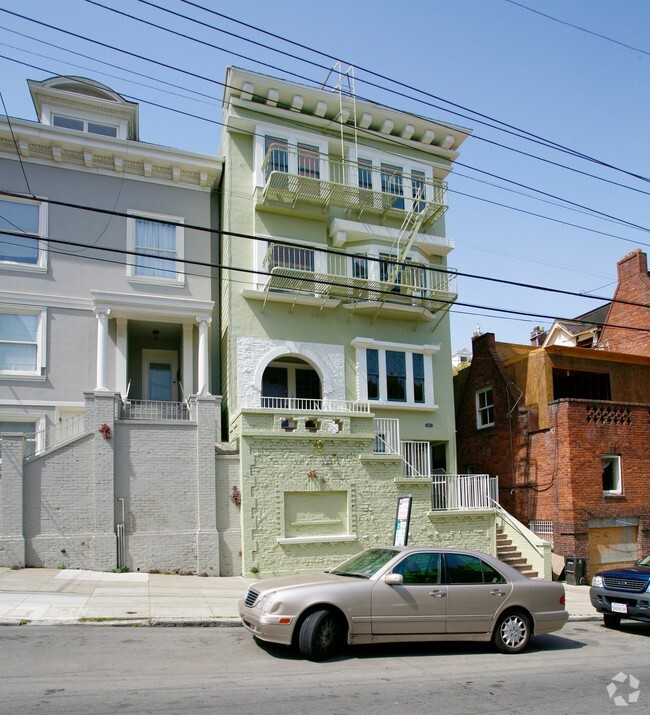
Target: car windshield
645, 561
365, 564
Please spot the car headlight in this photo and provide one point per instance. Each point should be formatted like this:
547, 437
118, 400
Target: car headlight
597, 581
267, 601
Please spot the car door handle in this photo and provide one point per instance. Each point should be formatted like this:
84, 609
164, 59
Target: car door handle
437, 594
498, 592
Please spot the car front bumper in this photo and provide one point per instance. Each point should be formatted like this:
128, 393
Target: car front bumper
269, 628
621, 603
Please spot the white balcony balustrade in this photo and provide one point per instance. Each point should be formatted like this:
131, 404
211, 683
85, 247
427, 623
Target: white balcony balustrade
357, 278
295, 174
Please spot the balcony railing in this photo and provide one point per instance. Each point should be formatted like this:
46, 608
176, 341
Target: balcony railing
154, 410
296, 174
303, 404
357, 278
463, 491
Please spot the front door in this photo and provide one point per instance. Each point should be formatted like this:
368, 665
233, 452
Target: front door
159, 379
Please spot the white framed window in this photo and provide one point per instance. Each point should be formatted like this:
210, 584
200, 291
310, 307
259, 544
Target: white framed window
89, 126
27, 217
611, 473
410, 182
289, 153
484, 408
395, 374
22, 343
156, 250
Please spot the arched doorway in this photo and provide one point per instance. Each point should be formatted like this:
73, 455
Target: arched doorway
290, 382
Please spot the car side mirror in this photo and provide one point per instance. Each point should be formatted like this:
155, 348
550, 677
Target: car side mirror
394, 579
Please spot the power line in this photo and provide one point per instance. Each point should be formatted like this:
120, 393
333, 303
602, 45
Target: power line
521, 132
317, 281
315, 64
453, 191
327, 251
217, 82
578, 27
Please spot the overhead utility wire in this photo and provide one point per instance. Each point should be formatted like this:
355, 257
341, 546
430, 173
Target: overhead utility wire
202, 94
546, 142
328, 251
316, 281
222, 84
578, 27
453, 191
373, 84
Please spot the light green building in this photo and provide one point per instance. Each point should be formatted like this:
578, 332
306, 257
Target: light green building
335, 336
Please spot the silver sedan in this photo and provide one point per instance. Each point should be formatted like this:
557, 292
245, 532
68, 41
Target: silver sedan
399, 594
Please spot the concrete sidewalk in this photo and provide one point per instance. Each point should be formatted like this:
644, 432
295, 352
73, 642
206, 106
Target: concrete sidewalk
52, 596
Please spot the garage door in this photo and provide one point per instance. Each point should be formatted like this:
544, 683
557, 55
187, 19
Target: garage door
612, 546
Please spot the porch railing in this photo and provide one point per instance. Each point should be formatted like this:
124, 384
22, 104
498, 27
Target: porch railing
463, 491
304, 404
153, 410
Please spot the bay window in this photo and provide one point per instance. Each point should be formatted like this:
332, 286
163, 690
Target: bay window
395, 374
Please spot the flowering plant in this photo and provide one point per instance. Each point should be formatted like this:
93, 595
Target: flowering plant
105, 431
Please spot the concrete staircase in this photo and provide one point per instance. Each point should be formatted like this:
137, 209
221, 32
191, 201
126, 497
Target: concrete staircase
509, 554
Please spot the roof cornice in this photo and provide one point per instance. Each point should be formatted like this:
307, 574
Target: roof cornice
66, 147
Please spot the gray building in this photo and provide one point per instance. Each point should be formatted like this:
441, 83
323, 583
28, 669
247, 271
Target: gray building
106, 301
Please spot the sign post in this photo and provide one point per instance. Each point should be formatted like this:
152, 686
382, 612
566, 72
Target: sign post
402, 520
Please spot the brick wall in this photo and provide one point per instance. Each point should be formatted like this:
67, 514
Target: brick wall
633, 286
555, 473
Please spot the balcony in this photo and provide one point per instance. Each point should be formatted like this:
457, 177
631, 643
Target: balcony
299, 177
304, 404
355, 279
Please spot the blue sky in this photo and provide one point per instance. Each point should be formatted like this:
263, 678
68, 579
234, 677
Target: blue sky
585, 92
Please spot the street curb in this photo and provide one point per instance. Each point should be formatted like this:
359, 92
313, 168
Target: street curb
173, 622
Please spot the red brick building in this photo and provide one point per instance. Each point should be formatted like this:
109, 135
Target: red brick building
567, 430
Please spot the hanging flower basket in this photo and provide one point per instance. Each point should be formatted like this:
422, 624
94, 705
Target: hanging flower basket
105, 431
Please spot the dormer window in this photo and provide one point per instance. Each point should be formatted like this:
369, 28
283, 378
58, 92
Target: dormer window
84, 125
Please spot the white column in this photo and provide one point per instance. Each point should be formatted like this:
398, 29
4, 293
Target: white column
188, 360
121, 356
203, 386
102, 349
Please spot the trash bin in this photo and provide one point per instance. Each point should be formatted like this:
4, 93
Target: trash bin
576, 570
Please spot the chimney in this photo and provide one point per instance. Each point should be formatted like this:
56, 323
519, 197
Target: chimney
537, 336
632, 264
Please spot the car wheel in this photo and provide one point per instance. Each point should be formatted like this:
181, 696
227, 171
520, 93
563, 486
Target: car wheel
611, 620
320, 635
512, 632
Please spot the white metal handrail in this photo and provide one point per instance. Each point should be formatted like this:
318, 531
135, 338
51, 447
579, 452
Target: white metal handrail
417, 458
463, 491
38, 442
386, 431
